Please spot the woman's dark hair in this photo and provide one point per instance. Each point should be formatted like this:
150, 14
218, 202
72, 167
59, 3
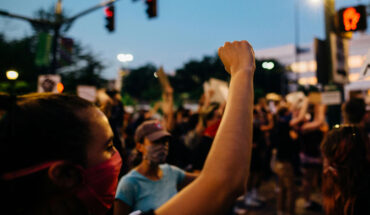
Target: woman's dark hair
346, 190
39, 128
43, 127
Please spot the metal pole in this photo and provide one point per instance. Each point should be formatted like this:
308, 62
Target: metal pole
296, 36
329, 11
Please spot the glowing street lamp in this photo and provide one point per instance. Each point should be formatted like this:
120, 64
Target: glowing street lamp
12, 74
124, 58
315, 2
269, 65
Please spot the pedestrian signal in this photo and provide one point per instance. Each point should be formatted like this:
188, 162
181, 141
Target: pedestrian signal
352, 19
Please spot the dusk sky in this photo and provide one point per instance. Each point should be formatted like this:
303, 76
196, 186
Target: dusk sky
183, 30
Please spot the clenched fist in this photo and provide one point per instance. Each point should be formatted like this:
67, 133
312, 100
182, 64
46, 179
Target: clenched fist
237, 56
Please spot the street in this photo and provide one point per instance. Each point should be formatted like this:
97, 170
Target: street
268, 191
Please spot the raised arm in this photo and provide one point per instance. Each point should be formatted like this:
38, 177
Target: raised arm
226, 169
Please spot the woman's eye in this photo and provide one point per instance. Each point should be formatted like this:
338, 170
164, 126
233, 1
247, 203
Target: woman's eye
110, 147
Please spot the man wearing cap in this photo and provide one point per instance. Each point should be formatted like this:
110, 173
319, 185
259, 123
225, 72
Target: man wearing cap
152, 182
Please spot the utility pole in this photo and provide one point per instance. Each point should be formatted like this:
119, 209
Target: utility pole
329, 11
56, 25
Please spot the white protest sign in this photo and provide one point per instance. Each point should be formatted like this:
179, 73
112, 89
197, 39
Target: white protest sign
48, 83
331, 98
87, 92
220, 89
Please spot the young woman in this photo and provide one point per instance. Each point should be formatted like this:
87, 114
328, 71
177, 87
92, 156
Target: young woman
57, 154
152, 182
57, 157
346, 171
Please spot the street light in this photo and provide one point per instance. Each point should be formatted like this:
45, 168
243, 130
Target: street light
124, 58
12, 75
315, 2
269, 65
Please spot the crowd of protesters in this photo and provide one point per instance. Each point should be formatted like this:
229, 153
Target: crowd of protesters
287, 135
64, 155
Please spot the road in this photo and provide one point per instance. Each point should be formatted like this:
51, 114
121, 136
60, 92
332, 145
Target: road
268, 191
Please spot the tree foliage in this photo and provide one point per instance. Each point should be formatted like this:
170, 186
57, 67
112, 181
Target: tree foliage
188, 80
141, 84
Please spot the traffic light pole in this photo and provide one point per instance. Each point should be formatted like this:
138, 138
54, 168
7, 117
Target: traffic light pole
329, 11
333, 111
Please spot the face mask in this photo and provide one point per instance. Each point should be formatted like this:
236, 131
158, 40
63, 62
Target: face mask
157, 153
99, 188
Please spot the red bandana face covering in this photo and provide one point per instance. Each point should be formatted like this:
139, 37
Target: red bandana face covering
98, 189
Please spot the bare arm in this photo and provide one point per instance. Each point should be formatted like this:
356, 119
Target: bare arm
189, 177
301, 114
167, 107
270, 124
121, 208
317, 121
229, 158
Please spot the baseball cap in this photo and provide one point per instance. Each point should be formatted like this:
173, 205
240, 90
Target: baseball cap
152, 129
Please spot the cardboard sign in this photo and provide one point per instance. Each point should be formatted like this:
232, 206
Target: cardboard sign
331, 98
163, 79
314, 98
87, 92
295, 97
220, 90
48, 83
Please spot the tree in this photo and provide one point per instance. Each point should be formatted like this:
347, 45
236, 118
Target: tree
141, 84
267, 81
190, 78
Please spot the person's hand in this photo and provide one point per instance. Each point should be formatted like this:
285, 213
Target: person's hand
237, 56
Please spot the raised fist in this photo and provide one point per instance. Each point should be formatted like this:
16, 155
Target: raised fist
237, 56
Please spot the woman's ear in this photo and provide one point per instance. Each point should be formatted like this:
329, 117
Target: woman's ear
139, 147
65, 175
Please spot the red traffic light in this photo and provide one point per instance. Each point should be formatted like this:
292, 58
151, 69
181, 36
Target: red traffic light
108, 12
109, 17
352, 19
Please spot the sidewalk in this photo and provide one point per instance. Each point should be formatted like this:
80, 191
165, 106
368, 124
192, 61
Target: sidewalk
268, 191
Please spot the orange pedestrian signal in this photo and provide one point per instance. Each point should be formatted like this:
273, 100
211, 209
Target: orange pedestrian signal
352, 19
60, 87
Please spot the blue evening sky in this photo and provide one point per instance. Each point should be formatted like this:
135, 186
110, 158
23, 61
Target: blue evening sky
183, 30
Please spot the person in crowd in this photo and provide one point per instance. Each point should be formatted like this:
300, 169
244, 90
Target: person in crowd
266, 125
179, 154
346, 168
285, 152
72, 167
353, 112
346, 171
251, 198
58, 154
311, 133
262, 126
152, 182
211, 118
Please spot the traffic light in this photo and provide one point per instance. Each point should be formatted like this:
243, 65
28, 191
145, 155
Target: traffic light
109, 17
352, 19
152, 8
